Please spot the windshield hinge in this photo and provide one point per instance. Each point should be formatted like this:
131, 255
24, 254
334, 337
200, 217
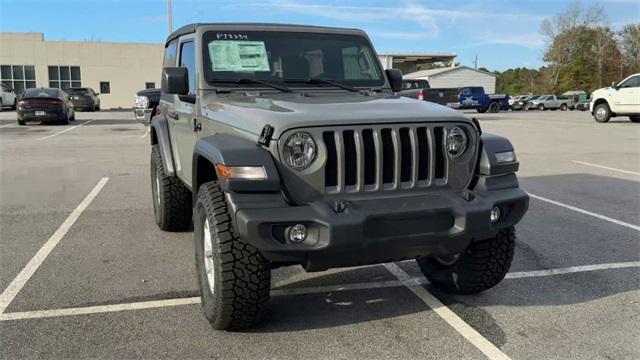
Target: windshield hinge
265, 135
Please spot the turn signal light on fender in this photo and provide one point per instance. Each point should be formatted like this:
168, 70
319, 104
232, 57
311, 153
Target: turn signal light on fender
241, 172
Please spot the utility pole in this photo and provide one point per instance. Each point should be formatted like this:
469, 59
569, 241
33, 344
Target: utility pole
170, 15
476, 62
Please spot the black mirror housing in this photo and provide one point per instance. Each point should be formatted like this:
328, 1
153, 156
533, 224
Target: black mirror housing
175, 80
395, 79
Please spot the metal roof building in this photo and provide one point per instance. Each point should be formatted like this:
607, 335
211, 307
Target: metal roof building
454, 77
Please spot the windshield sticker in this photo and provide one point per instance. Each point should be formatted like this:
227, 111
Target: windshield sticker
224, 36
231, 55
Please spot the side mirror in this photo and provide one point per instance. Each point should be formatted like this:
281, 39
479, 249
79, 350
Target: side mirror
395, 79
614, 85
175, 80
97, 94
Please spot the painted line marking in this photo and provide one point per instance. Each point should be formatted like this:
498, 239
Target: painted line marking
412, 281
464, 329
146, 133
606, 167
25, 274
586, 212
571, 270
5, 125
64, 131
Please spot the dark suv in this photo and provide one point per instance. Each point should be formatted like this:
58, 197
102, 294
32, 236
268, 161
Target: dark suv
287, 145
84, 98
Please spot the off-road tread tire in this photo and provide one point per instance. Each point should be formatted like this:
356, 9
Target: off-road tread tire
177, 212
243, 274
480, 267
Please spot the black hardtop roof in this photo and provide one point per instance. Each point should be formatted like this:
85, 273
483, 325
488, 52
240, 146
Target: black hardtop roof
191, 28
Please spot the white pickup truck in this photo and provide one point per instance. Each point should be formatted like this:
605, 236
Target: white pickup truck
7, 97
622, 99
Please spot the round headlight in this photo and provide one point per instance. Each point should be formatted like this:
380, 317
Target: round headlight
456, 142
299, 150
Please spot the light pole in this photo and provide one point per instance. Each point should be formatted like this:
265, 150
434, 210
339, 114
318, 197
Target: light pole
170, 15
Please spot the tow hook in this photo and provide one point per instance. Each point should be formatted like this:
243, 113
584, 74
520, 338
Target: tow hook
339, 206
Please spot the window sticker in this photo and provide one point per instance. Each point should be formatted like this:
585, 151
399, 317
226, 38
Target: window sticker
231, 55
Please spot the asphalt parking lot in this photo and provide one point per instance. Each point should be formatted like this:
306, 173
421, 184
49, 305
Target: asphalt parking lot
85, 272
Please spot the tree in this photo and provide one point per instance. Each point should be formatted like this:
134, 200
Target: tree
629, 39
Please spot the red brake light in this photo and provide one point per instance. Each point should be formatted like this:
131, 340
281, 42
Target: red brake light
421, 94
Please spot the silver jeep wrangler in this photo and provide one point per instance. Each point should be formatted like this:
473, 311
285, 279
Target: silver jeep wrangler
287, 145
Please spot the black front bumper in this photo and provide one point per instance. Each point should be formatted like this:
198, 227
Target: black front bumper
373, 231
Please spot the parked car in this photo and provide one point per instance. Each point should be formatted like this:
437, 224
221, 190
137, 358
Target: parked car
583, 105
473, 97
84, 98
319, 164
421, 90
146, 103
550, 102
7, 97
45, 105
523, 102
621, 99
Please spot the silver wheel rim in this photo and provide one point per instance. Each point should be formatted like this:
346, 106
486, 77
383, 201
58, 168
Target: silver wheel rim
600, 113
208, 256
157, 189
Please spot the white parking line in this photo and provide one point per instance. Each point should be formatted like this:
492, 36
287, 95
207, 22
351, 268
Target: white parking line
464, 329
18, 283
606, 167
64, 131
146, 133
411, 281
586, 212
5, 125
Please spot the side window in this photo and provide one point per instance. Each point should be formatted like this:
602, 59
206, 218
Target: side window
188, 60
170, 53
105, 87
632, 82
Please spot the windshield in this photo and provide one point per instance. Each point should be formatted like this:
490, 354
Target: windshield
278, 57
31, 93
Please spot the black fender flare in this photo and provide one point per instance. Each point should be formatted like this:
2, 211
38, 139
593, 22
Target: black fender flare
233, 151
488, 165
160, 136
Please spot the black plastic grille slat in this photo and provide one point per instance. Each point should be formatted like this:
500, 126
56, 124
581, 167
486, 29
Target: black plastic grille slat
406, 153
423, 154
369, 152
438, 134
387, 156
350, 159
331, 168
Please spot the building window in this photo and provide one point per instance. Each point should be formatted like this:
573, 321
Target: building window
64, 77
149, 85
105, 87
18, 77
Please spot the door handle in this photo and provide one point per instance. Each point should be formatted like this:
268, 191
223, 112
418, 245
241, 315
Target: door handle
173, 115
196, 125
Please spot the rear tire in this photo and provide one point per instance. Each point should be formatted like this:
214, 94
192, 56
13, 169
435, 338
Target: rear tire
65, 119
171, 199
635, 118
234, 277
21, 122
494, 107
602, 113
481, 266
563, 107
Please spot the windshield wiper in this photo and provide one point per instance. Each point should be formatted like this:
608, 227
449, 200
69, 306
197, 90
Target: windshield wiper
322, 81
254, 81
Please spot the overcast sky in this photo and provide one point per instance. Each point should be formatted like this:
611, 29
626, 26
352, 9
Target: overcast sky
504, 34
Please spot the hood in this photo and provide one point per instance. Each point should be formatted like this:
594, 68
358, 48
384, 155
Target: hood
287, 111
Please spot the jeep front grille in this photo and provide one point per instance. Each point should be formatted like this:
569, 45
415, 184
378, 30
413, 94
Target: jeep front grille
384, 158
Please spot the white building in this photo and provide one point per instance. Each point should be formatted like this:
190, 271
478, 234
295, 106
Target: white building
455, 77
408, 62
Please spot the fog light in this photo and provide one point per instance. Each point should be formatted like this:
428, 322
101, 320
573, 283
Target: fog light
297, 233
495, 214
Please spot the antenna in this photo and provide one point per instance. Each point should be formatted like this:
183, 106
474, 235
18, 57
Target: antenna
475, 62
170, 15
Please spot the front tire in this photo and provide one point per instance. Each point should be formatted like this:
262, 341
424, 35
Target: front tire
635, 118
541, 107
171, 199
563, 107
602, 113
234, 277
480, 267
